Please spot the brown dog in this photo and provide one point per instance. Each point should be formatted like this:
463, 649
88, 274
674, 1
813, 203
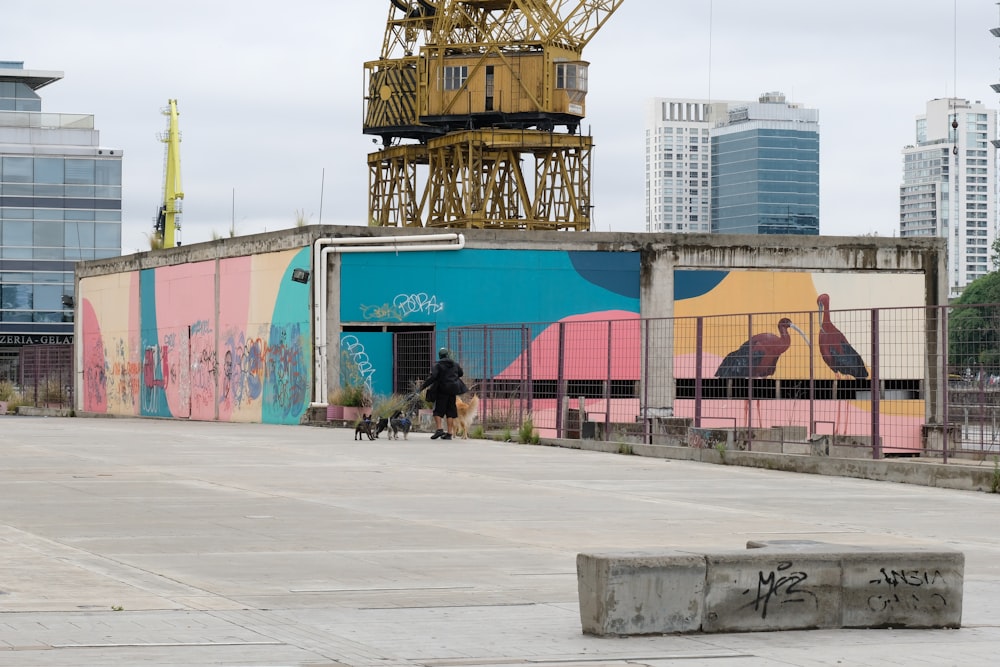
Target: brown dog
467, 412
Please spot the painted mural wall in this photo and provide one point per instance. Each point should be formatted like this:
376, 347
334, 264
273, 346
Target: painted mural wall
226, 340
449, 289
795, 297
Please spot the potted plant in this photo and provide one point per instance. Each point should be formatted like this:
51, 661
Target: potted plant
347, 402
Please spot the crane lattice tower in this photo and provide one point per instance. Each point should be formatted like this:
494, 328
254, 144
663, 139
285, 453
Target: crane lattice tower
478, 106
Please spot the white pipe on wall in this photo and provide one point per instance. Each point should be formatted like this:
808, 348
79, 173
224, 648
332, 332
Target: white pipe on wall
324, 247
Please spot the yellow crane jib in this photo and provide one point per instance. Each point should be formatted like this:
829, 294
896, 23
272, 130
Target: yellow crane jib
168, 219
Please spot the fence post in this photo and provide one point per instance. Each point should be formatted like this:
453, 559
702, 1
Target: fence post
607, 388
942, 323
561, 382
647, 431
698, 367
876, 386
526, 345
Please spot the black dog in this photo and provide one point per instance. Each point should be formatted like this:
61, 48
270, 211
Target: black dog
381, 425
398, 423
364, 427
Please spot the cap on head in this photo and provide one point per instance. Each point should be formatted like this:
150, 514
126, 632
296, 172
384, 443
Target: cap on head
443, 353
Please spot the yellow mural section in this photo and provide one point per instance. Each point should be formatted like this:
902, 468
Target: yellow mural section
746, 303
115, 340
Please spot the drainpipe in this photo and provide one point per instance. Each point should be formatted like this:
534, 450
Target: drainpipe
324, 247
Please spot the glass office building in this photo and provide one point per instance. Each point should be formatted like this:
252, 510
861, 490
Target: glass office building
765, 169
60, 202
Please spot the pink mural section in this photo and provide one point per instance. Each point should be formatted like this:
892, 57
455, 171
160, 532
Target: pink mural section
592, 345
185, 311
236, 369
95, 396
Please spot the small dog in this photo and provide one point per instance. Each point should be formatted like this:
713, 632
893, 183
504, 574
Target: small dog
381, 425
467, 413
364, 427
399, 423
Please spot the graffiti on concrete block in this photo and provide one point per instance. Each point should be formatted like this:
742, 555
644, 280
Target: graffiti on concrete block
780, 586
908, 590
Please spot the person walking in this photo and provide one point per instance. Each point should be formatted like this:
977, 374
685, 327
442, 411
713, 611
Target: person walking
443, 385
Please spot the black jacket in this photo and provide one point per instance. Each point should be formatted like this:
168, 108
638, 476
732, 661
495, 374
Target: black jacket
445, 378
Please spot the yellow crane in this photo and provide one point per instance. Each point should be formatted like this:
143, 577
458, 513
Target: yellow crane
478, 104
168, 219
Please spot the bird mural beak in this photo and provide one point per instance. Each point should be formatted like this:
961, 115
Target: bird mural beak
802, 333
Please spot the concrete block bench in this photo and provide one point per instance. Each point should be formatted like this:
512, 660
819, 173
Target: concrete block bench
779, 585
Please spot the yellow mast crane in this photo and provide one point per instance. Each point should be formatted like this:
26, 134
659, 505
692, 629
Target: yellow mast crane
168, 219
482, 87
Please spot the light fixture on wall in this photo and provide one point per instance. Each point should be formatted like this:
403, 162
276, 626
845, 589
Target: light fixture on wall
300, 276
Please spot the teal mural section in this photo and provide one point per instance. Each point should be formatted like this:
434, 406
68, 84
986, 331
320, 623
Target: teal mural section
286, 389
458, 288
155, 362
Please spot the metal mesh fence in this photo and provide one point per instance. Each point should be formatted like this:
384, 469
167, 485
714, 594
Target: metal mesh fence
876, 382
46, 375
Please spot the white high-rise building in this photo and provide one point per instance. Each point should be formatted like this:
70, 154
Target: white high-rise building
678, 164
949, 185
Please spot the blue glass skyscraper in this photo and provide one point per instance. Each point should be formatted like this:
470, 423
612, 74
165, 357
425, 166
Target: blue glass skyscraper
765, 169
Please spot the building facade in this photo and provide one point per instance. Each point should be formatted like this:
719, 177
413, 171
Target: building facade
732, 167
60, 202
949, 185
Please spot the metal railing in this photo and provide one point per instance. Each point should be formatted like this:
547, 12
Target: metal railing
45, 376
924, 381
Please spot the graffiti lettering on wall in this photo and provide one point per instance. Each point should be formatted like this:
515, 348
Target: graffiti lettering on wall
204, 368
95, 375
355, 366
252, 364
402, 306
155, 371
122, 375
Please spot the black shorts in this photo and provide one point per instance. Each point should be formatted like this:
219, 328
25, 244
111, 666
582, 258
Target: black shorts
444, 406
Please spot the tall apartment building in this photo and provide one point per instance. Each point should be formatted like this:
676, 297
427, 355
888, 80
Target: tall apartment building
60, 202
678, 165
732, 167
949, 185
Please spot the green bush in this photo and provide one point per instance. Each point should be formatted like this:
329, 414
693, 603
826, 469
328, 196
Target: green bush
526, 434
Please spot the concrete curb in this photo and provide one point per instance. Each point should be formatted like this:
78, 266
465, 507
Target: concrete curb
984, 476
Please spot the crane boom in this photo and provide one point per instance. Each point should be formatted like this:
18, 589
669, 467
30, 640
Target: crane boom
168, 219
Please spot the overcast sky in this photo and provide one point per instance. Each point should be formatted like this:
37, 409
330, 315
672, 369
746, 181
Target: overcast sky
270, 94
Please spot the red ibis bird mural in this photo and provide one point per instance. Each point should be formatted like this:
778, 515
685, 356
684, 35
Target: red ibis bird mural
758, 357
837, 351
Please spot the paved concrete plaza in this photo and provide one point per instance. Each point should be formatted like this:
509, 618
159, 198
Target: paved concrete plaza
148, 542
